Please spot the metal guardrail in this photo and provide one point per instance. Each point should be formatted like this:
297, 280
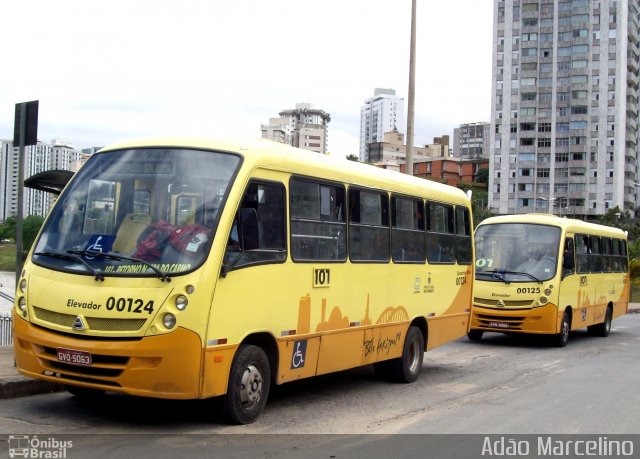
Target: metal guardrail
6, 333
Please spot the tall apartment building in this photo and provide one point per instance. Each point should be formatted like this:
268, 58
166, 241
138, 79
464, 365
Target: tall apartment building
38, 158
564, 134
471, 141
303, 127
384, 112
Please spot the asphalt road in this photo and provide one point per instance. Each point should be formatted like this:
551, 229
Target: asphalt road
502, 385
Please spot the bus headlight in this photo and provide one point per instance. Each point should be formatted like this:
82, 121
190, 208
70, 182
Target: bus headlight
547, 292
23, 285
181, 302
543, 300
22, 305
169, 320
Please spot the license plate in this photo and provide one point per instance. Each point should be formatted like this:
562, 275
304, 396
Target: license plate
499, 324
74, 357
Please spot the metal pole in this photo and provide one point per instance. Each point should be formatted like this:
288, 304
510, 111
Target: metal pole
412, 90
19, 216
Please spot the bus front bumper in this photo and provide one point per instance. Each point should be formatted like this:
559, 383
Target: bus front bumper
539, 320
163, 366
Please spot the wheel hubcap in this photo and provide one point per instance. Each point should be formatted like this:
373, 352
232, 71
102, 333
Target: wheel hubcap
565, 330
251, 386
414, 356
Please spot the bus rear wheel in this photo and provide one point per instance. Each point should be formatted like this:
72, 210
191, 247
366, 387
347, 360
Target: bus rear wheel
603, 329
249, 383
560, 340
406, 368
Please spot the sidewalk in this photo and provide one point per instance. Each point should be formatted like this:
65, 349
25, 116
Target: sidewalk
13, 384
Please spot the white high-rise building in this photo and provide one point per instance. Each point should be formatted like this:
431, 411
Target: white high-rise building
303, 127
38, 158
384, 112
564, 134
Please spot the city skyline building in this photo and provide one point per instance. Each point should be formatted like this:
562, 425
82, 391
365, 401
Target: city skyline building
303, 127
471, 140
564, 135
384, 112
38, 158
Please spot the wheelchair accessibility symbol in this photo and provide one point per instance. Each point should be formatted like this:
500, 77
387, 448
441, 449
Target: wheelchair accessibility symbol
299, 354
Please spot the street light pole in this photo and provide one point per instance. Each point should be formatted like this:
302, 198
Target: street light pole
412, 91
549, 201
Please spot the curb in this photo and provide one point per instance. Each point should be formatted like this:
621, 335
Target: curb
21, 386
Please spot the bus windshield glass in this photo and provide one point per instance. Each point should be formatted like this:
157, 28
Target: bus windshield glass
148, 211
516, 252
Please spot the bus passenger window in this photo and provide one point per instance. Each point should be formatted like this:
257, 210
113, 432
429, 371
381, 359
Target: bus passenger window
568, 258
368, 226
407, 235
582, 253
441, 241
318, 228
463, 236
258, 231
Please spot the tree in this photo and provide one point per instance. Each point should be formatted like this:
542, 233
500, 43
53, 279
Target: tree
353, 157
8, 228
482, 176
30, 228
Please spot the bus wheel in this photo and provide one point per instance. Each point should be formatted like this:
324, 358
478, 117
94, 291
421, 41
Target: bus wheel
249, 382
604, 328
84, 392
407, 368
475, 335
560, 340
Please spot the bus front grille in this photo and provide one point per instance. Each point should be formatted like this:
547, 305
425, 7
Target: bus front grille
500, 322
492, 302
95, 323
102, 366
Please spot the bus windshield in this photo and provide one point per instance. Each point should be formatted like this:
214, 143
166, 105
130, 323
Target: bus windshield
516, 252
148, 211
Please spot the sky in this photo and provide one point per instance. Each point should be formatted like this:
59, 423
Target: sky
109, 71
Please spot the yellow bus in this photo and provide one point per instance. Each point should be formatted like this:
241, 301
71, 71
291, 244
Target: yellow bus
191, 269
545, 274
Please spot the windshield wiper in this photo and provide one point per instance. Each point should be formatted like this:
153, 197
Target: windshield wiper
499, 275
99, 276
114, 256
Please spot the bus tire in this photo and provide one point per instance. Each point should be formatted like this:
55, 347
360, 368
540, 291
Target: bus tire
406, 368
560, 339
475, 335
603, 329
249, 383
84, 392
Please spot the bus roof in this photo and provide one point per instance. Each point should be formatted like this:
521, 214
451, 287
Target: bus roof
278, 156
567, 224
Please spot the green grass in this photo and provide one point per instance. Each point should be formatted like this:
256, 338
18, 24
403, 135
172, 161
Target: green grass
7, 257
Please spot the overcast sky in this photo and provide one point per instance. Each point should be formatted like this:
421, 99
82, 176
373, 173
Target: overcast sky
114, 70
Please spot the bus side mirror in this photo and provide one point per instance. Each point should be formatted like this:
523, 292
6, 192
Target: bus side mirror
249, 229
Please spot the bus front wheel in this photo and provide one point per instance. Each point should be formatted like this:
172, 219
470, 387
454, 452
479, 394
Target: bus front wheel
560, 340
84, 392
406, 368
475, 335
603, 329
249, 383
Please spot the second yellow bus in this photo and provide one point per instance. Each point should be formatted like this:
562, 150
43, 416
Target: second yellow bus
545, 274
